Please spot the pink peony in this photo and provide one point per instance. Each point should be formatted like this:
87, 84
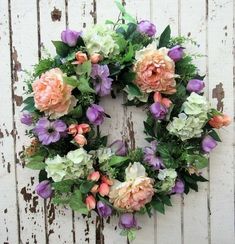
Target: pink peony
155, 71
51, 95
134, 193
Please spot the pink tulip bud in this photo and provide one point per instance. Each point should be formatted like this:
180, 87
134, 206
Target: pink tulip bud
83, 128
80, 139
94, 176
104, 189
90, 202
73, 129
167, 102
95, 58
106, 180
94, 189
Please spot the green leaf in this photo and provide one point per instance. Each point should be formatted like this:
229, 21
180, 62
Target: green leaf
61, 48
165, 154
149, 129
36, 165
29, 100
42, 175
215, 135
166, 200
116, 160
129, 55
77, 204
120, 6
83, 85
133, 90
131, 234
63, 186
158, 206
84, 69
86, 186
109, 22
72, 80
165, 37
199, 161
76, 112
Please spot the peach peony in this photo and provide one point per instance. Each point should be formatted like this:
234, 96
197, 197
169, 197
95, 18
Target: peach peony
51, 95
155, 70
134, 193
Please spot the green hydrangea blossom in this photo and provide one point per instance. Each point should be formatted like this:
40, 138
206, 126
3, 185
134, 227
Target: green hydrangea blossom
100, 39
75, 164
167, 180
189, 123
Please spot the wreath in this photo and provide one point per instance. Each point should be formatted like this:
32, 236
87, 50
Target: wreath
77, 166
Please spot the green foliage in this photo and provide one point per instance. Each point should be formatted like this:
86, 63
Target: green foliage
76, 202
136, 155
29, 105
159, 202
62, 49
166, 151
214, 135
36, 162
127, 17
86, 186
43, 66
117, 160
165, 37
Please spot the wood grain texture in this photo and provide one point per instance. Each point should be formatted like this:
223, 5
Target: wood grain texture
26, 28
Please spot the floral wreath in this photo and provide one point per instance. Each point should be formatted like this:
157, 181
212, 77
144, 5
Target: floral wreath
77, 167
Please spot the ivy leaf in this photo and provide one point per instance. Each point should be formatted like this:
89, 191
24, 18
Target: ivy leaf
199, 161
165, 154
165, 37
158, 206
116, 160
61, 48
84, 69
72, 80
83, 85
214, 135
77, 204
166, 200
133, 90
36, 165
86, 186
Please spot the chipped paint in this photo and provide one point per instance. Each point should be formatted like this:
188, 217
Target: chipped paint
18, 100
130, 127
218, 93
56, 14
26, 195
16, 64
1, 134
51, 213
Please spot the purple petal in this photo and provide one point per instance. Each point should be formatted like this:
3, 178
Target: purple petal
43, 189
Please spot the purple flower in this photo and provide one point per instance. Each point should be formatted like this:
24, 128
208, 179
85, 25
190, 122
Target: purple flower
195, 85
208, 144
95, 114
26, 119
151, 158
158, 110
43, 189
127, 221
102, 82
147, 28
119, 148
176, 53
48, 131
70, 37
178, 187
104, 210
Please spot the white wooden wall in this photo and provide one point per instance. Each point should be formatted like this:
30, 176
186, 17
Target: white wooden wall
26, 26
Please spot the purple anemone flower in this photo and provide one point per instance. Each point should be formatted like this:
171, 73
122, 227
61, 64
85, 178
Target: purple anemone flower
146, 27
176, 53
158, 111
103, 209
26, 119
178, 187
119, 148
95, 114
102, 82
151, 158
43, 189
49, 132
70, 37
127, 221
208, 144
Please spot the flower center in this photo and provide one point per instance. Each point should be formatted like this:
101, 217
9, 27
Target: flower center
51, 130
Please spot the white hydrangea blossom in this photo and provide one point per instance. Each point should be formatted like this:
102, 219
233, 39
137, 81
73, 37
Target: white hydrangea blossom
189, 123
101, 39
167, 179
75, 164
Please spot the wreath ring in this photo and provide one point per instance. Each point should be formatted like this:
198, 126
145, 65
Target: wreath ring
62, 112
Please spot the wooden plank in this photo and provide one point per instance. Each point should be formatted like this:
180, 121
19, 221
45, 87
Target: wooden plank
8, 202
220, 48
31, 211
80, 16
135, 127
195, 211
167, 13
52, 23
114, 126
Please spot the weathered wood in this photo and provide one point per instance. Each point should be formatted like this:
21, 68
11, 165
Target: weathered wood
24, 50
9, 222
204, 217
220, 68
